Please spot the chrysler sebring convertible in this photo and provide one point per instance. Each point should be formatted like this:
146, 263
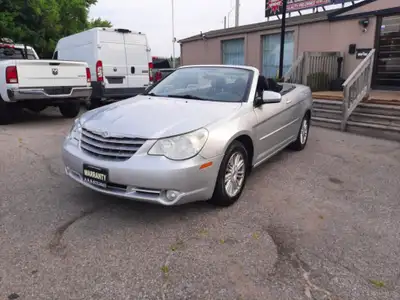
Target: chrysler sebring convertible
195, 135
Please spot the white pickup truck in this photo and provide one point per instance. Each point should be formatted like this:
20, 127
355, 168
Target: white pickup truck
29, 82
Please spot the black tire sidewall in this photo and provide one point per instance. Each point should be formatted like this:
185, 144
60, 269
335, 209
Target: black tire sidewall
308, 131
8, 112
297, 145
70, 110
220, 197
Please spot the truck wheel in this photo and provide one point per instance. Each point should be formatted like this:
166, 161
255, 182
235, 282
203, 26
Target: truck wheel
70, 110
8, 111
94, 103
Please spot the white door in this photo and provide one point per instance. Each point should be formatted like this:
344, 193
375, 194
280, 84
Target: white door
137, 58
112, 54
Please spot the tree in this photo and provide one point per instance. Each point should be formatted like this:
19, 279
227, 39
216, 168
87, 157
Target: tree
99, 23
41, 23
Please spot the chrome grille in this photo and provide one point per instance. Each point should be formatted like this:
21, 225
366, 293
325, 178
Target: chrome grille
110, 148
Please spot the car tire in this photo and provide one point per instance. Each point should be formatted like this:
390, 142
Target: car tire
94, 103
70, 110
8, 112
235, 157
302, 136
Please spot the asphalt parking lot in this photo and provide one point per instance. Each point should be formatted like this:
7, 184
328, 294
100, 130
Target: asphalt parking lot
323, 223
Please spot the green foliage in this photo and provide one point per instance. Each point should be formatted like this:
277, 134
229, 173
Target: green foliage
99, 23
41, 23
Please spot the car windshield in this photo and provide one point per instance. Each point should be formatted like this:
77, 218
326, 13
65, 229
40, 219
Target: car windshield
225, 84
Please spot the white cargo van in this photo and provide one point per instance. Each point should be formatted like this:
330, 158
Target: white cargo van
119, 59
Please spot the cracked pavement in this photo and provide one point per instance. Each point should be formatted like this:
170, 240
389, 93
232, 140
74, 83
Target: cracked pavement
323, 223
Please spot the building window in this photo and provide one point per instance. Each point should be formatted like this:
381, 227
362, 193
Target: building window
233, 52
270, 55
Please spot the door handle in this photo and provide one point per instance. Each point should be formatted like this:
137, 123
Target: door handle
133, 70
288, 101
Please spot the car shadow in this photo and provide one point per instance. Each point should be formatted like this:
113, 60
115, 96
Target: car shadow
49, 115
148, 213
120, 208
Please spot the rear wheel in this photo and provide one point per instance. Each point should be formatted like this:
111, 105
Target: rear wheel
302, 136
94, 103
8, 112
232, 175
70, 110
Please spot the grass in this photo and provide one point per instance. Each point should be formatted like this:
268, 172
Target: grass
377, 283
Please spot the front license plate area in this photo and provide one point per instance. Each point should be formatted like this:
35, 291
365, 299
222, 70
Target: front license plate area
95, 175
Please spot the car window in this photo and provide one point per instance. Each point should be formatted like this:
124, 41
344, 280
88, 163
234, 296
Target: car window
225, 84
7, 53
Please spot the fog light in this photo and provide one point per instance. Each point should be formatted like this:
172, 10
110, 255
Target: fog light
171, 195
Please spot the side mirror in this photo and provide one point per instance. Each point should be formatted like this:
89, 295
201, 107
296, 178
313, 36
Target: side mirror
271, 97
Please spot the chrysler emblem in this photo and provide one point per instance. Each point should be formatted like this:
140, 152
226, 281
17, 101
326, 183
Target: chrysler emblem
105, 134
54, 71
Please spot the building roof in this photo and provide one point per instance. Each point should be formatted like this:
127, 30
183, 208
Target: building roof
298, 20
293, 21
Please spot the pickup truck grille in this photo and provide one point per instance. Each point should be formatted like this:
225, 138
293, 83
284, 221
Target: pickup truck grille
63, 90
109, 148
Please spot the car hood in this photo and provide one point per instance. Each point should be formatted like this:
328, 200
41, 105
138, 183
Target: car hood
156, 117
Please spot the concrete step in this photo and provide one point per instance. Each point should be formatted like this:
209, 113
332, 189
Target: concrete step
378, 109
367, 108
367, 129
326, 123
385, 120
327, 104
374, 130
327, 113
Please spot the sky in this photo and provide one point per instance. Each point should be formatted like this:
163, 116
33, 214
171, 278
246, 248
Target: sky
154, 18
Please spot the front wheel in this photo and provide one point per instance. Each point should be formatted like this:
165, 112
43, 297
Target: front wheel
70, 110
302, 136
232, 176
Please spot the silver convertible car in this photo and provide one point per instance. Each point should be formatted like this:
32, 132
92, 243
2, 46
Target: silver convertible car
195, 135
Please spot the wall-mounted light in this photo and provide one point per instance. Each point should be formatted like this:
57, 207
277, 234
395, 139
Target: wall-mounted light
364, 24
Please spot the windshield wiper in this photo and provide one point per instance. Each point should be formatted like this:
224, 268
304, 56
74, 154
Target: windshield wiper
151, 94
187, 96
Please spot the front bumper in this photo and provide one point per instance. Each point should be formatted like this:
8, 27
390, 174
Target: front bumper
22, 94
147, 178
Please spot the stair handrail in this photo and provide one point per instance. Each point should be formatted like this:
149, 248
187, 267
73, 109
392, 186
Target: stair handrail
360, 80
293, 69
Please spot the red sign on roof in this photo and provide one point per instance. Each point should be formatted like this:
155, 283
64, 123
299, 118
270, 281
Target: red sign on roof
274, 7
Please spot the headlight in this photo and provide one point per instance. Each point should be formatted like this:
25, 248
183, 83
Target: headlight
181, 147
76, 130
